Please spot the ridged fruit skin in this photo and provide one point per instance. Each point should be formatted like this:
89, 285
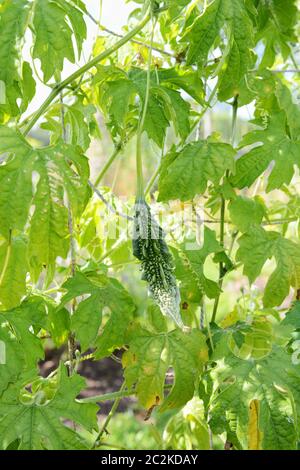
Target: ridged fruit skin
150, 248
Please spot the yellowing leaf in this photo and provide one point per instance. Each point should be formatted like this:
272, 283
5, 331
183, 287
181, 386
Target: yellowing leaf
13, 269
149, 357
274, 382
254, 434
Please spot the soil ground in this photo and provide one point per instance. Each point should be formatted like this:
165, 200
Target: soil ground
103, 376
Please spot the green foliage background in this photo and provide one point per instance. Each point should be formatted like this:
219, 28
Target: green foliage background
220, 366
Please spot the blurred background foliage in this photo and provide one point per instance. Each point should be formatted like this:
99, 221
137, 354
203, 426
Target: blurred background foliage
184, 429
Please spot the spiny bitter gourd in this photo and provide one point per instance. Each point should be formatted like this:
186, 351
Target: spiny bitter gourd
150, 248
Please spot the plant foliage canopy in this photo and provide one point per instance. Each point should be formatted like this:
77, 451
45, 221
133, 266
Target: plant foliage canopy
219, 362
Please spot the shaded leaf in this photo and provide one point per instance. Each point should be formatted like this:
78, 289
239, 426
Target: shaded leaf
14, 16
272, 383
186, 173
258, 245
275, 146
38, 423
99, 291
149, 357
245, 212
49, 46
40, 178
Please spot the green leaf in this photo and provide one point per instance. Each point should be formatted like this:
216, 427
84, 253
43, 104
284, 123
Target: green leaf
276, 28
188, 356
275, 146
156, 122
117, 92
55, 171
178, 112
232, 17
186, 173
149, 357
273, 382
13, 269
245, 212
291, 109
22, 320
119, 95
59, 325
102, 291
184, 79
79, 121
165, 102
258, 245
13, 21
74, 11
146, 364
20, 347
204, 31
37, 422
293, 316
49, 46
240, 57
255, 248
187, 430
189, 269
11, 356
29, 86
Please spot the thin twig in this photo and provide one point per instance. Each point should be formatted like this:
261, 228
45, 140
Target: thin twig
222, 269
6, 260
113, 395
118, 149
71, 340
139, 164
108, 163
112, 446
285, 71
134, 41
108, 205
109, 416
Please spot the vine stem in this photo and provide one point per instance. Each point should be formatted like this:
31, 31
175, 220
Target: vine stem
114, 395
139, 163
78, 73
204, 110
296, 70
118, 149
6, 260
222, 212
108, 205
71, 339
134, 41
152, 180
107, 396
108, 164
110, 415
